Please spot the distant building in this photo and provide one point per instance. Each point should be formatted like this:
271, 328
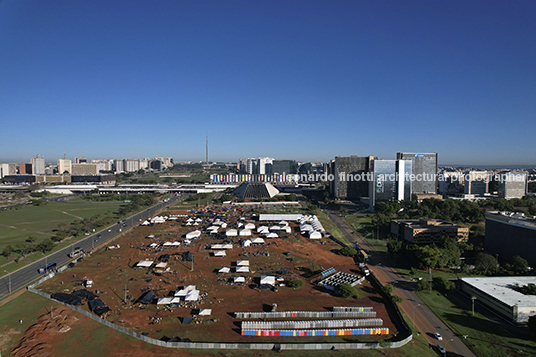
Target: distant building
288, 167
118, 166
103, 165
424, 169
512, 185
499, 294
8, 169
509, 234
264, 166
349, 175
25, 169
84, 168
476, 183
450, 182
130, 165
64, 166
390, 181
38, 165
156, 165
422, 231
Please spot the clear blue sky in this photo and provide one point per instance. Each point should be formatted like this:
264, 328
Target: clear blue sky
285, 79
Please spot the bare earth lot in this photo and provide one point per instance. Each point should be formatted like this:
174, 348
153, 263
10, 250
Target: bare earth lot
113, 270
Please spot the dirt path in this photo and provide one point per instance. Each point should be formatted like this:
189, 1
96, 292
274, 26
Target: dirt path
28, 230
67, 213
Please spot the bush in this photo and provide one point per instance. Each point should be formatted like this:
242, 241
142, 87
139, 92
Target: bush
347, 291
348, 251
296, 283
423, 285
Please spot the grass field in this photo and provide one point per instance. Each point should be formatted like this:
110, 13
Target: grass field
485, 338
330, 227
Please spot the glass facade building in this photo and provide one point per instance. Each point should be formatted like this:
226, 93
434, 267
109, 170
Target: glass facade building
424, 170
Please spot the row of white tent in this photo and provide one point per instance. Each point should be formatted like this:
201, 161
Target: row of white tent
238, 269
188, 293
149, 263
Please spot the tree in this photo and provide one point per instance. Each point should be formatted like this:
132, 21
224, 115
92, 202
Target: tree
423, 285
388, 289
46, 245
450, 253
443, 285
429, 256
396, 299
347, 291
296, 283
393, 247
348, 251
8, 250
486, 263
518, 265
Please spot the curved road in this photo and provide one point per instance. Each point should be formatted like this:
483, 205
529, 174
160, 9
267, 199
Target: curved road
27, 274
422, 317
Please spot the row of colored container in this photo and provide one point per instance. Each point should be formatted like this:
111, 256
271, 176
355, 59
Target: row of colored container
311, 333
302, 325
351, 308
303, 314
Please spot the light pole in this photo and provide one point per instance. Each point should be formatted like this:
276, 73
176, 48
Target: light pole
9, 279
473, 298
414, 307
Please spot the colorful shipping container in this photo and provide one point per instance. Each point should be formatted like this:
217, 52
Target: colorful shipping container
311, 333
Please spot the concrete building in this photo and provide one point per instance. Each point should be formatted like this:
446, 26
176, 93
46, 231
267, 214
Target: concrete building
499, 294
84, 168
38, 165
25, 169
256, 190
8, 169
476, 183
288, 167
512, 185
264, 166
103, 165
130, 165
421, 231
118, 166
349, 175
424, 170
64, 166
450, 182
509, 234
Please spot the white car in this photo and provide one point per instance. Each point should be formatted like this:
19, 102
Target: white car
441, 349
438, 336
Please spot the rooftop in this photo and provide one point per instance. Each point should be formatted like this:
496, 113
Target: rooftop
502, 288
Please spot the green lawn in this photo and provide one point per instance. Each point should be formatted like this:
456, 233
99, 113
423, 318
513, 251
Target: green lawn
330, 226
485, 338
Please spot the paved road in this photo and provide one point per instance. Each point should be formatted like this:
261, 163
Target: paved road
422, 317
29, 273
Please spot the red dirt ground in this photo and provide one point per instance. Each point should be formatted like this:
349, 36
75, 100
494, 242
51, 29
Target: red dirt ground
112, 270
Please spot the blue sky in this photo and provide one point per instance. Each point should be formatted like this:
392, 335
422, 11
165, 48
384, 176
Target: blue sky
285, 79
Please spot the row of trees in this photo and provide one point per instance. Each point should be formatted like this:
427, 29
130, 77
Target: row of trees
30, 246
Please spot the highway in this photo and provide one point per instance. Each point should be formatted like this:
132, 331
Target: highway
29, 273
422, 317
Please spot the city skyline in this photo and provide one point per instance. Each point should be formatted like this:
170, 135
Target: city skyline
288, 80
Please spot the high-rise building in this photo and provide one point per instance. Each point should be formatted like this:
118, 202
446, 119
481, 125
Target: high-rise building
118, 166
25, 169
64, 166
264, 166
288, 167
348, 173
391, 180
512, 185
84, 168
424, 171
130, 165
38, 165
8, 170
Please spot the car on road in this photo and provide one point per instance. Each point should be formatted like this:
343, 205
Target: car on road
438, 336
441, 349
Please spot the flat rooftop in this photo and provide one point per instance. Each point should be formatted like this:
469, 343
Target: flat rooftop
502, 288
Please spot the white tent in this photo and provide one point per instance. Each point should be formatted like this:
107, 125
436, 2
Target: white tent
145, 263
188, 224
242, 263
161, 265
221, 246
184, 291
153, 245
176, 244
249, 226
167, 244
211, 228
224, 225
190, 220
260, 228
257, 241
242, 269
245, 232
224, 270
220, 253
164, 301
194, 234
283, 223
217, 222
192, 295
315, 235
272, 235
239, 279
231, 233
264, 231
205, 312
270, 280
287, 229
246, 243
199, 220
275, 228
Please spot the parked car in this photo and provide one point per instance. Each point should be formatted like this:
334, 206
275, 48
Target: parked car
441, 349
438, 336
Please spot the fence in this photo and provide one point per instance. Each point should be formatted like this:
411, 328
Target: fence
351, 308
303, 325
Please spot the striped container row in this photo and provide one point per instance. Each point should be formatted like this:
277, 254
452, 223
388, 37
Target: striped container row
303, 314
302, 325
312, 333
